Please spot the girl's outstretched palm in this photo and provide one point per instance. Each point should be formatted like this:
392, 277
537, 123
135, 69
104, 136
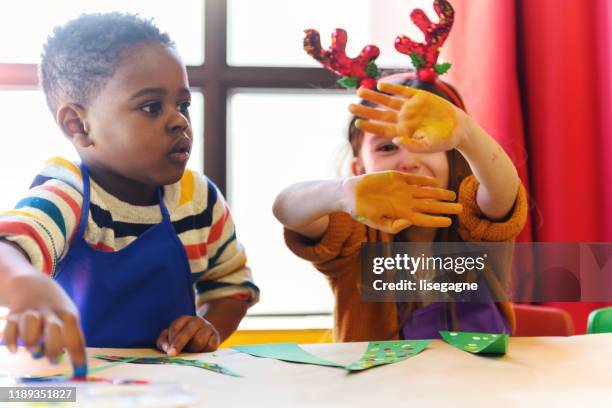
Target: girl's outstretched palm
391, 201
417, 119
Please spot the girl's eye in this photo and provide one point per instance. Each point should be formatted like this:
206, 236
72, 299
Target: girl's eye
184, 107
152, 108
386, 147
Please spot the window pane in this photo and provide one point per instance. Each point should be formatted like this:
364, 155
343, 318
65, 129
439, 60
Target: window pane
270, 32
182, 19
31, 137
276, 139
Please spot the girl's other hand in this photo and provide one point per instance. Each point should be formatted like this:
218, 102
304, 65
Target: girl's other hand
193, 334
391, 201
42, 315
417, 119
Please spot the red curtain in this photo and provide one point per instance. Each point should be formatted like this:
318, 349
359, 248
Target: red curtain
537, 76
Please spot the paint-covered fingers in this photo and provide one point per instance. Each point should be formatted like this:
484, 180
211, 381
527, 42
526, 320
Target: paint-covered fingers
53, 338
397, 89
379, 129
10, 333
393, 226
30, 330
374, 114
437, 207
418, 180
74, 342
434, 193
423, 220
380, 98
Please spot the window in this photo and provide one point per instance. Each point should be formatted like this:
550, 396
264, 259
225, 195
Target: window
245, 60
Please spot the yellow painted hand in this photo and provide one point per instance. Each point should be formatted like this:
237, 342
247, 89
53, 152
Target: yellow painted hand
391, 201
416, 119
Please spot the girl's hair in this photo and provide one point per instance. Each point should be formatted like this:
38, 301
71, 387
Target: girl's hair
457, 165
80, 56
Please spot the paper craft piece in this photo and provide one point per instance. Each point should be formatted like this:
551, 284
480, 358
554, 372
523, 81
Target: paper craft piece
477, 343
88, 378
171, 360
387, 352
286, 352
377, 353
64, 379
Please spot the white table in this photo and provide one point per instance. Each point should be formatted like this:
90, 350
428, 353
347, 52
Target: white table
537, 371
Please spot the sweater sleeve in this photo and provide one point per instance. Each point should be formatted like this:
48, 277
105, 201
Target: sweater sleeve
227, 274
44, 222
334, 250
475, 227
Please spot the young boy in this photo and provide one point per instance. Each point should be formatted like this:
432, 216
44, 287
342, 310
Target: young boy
128, 232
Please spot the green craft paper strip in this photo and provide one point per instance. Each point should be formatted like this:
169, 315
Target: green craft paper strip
387, 352
477, 343
171, 360
286, 352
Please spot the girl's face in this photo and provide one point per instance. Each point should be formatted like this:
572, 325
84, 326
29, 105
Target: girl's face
139, 122
379, 154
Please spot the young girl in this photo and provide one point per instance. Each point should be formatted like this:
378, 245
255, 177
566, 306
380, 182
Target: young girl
422, 134
128, 232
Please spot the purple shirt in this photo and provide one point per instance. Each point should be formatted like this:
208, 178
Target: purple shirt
426, 322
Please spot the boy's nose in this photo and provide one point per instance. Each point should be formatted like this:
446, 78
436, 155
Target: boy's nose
178, 123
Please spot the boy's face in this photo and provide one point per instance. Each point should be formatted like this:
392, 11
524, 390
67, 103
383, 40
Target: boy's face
139, 123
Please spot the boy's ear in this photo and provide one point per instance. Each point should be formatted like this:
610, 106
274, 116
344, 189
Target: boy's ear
357, 166
72, 121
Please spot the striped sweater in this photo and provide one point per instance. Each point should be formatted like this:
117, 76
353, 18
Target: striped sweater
45, 222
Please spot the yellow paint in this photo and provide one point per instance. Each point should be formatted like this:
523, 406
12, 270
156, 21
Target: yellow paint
425, 121
384, 197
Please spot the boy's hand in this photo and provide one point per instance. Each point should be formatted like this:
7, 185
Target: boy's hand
391, 201
417, 119
193, 334
45, 319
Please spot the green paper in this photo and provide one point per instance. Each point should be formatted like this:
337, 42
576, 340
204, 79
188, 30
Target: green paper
377, 353
477, 343
286, 352
170, 360
442, 68
387, 352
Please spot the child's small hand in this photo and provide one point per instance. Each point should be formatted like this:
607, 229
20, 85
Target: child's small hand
391, 201
417, 119
45, 320
193, 334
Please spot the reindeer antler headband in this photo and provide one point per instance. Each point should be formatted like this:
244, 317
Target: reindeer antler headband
424, 56
355, 72
362, 71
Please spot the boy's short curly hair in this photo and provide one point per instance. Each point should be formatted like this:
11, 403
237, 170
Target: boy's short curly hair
80, 56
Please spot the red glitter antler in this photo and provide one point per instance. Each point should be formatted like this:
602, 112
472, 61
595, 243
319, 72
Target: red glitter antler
425, 56
355, 72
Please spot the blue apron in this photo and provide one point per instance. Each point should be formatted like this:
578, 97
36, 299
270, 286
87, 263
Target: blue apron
126, 298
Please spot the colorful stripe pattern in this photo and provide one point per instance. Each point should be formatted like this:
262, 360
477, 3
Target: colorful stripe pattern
45, 221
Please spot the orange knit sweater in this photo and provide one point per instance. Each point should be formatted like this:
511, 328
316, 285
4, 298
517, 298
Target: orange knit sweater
337, 256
